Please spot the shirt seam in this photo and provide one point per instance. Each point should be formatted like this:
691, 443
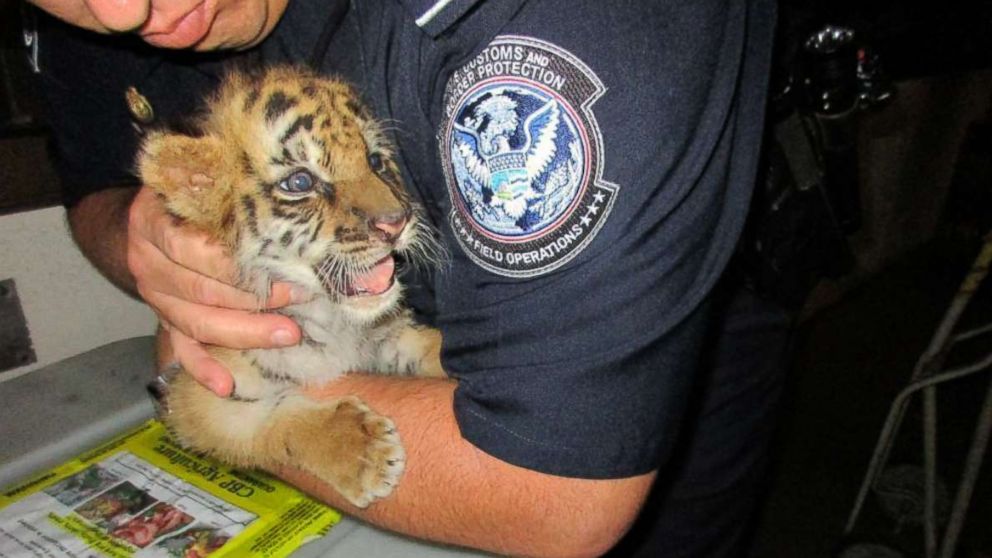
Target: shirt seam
495, 424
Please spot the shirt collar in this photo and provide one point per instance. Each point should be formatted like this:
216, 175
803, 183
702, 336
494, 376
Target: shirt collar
435, 16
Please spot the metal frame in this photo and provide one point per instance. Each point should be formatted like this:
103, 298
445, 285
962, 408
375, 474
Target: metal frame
927, 375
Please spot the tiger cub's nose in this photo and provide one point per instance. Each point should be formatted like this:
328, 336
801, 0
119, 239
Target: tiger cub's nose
389, 225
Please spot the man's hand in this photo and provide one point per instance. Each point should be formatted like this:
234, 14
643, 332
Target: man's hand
183, 276
188, 280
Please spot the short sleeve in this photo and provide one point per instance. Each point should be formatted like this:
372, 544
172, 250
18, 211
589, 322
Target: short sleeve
599, 159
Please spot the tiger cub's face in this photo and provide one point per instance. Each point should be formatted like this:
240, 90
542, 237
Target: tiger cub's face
295, 177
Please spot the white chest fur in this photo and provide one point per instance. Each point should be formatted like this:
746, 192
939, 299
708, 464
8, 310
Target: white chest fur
334, 342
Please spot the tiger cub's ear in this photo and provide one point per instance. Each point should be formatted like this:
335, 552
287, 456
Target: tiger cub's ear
186, 171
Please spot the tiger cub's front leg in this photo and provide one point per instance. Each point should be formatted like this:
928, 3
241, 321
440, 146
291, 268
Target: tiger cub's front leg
342, 442
413, 350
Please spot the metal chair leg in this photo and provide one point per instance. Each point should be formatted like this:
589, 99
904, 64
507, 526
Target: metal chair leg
926, 375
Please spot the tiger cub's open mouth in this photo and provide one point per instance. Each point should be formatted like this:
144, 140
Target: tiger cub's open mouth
375, 281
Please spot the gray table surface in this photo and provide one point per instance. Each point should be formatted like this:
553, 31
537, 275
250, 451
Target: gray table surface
55, 413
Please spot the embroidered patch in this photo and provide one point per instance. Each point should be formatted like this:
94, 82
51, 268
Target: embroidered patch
523, 157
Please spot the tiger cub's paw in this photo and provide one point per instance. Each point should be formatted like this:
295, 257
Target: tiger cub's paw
384, 461
369, 456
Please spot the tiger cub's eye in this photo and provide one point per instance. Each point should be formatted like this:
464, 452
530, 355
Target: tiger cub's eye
300, 182
375, 162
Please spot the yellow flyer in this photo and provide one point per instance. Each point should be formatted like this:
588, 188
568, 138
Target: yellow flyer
143, 495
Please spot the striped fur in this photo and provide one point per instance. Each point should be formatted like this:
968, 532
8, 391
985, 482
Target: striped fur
291, 173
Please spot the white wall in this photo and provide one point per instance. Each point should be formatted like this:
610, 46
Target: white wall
69, 307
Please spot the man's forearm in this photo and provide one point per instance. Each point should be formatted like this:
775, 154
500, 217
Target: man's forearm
99, 227
452, 492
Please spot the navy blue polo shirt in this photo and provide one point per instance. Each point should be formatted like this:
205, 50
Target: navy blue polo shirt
588, 166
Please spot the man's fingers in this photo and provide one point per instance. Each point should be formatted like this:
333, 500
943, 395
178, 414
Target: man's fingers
194, 250
149, 222
236, 329
198, 363
155, 272
185, 263
284, 294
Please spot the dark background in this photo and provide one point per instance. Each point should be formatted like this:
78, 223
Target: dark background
924, 186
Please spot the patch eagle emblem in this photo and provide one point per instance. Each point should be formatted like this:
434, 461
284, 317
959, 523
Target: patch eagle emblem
522, 156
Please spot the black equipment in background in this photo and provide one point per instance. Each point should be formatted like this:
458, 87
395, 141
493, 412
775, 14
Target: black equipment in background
807, 200
19, 108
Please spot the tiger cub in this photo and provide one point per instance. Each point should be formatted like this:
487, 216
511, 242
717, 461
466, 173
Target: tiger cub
291, 173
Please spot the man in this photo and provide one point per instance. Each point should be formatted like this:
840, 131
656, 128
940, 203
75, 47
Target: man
577, 306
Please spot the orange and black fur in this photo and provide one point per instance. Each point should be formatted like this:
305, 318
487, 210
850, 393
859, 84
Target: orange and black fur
295, 178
